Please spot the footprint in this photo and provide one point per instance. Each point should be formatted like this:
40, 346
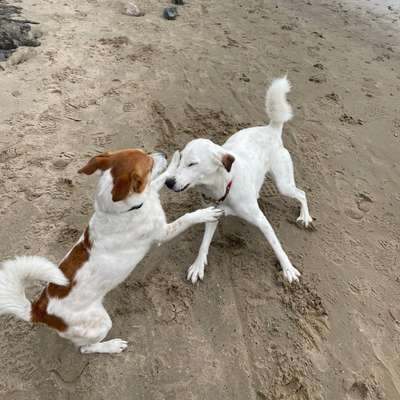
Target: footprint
364, 202
358, 391
320, 78
102, 139
348, 119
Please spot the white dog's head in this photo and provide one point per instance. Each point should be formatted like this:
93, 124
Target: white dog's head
201, 160
125, 176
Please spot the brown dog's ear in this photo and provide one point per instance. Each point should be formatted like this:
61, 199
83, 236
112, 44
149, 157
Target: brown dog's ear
138, 183
227, 161
102, 162
121, 187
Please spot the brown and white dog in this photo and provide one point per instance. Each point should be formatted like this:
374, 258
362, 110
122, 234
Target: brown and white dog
127, 221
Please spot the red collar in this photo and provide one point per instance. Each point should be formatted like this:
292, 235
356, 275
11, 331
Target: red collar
228, 188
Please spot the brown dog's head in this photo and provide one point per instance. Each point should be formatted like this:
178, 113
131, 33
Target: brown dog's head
125, 175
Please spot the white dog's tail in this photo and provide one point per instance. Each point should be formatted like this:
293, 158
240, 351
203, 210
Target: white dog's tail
278, 109
15, 276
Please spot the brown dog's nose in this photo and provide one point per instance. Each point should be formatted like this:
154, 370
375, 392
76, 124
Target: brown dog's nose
170, 183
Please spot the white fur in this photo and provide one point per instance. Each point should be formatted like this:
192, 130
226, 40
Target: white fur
276, 105
119, 240
258, 151
15, 276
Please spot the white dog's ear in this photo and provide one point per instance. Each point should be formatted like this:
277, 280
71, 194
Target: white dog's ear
225, 159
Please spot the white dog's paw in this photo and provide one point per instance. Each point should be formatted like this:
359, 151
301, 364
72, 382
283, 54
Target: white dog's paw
195, 272
291, 274
210, 214
305, 222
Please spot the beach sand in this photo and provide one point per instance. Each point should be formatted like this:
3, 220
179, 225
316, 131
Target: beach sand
102, 80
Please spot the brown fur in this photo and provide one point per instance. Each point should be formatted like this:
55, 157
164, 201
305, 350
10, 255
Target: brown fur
69, 266
39, 314
129, 169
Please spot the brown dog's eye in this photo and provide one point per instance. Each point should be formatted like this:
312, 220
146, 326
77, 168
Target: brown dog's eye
192, 164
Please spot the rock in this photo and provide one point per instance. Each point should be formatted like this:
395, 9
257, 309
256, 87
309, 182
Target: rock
14, 32
170, 13
21, 55
178, 2
133, 10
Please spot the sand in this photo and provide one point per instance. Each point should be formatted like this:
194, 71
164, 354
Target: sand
103, 80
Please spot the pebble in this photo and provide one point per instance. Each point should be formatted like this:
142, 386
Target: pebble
133, 10
354, 213
170, 13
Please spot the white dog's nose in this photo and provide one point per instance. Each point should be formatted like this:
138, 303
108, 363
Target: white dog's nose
170, 183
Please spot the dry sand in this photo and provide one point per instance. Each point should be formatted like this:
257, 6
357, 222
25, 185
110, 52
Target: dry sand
102, 80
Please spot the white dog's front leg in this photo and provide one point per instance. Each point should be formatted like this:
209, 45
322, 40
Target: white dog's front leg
196, 271
210, 214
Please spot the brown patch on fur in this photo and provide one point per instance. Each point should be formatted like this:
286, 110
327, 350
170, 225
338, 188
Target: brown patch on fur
39, 314
129, 168
69, 266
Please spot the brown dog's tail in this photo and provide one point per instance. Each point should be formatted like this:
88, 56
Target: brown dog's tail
16, 275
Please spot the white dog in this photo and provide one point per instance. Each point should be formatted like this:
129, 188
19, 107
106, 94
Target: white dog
232, 175
128, 219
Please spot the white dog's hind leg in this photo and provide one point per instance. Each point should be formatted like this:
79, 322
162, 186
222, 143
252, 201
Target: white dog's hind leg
90, 333
196, 271
109, 346
283, 176
254, 215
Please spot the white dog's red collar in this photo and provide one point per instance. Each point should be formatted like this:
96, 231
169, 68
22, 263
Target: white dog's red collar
228, 188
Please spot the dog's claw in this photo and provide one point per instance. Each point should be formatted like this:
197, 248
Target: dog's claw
305, 224
291, 274
195, 272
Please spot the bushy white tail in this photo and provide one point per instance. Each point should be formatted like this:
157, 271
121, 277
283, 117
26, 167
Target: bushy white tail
16, 274
278, 109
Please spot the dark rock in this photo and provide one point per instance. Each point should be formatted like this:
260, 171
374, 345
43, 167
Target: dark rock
14, 32
170, 13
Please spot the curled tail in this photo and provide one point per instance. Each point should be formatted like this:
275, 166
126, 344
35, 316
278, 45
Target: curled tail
278, 108
15, 276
